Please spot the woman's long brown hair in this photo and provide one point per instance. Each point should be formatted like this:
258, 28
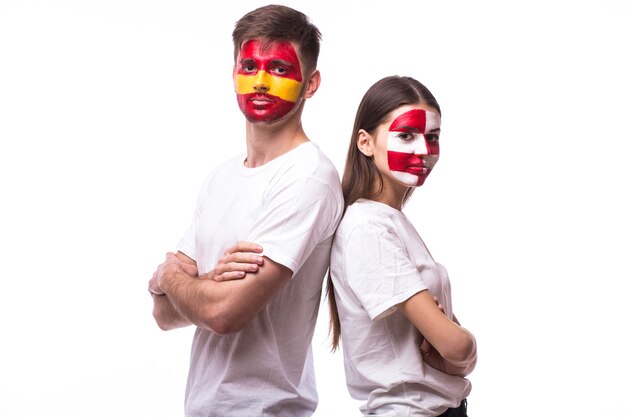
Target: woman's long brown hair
361, 178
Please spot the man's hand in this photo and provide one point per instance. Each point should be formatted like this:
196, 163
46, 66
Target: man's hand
172, 265
237, 261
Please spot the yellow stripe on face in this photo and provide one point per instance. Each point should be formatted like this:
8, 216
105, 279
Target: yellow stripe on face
285, 88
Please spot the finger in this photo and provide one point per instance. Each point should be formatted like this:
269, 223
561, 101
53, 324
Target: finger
171, 258
229, 276
244, 247
240, 258
238, 266
153, 287
246, 258
222, 268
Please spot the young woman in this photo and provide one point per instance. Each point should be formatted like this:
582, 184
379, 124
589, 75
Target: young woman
405, 353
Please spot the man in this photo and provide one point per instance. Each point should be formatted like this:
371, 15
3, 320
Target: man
255, 304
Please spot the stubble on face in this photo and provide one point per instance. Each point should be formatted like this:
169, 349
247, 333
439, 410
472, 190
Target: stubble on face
268, 81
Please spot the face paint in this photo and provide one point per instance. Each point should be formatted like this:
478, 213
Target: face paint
413, 146
268, 81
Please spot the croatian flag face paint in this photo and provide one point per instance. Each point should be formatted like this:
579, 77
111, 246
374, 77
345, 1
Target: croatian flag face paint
268, 81
413, 146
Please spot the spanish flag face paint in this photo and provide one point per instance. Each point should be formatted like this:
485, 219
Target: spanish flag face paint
413, 146
268, 81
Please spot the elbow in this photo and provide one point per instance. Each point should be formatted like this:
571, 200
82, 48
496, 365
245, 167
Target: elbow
161, 322
165, 319
462, 353
222, 320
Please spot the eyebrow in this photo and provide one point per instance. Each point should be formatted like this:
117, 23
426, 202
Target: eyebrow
414, 129
272, 62
281, 62
246, 61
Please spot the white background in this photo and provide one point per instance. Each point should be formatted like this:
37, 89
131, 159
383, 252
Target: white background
112, 113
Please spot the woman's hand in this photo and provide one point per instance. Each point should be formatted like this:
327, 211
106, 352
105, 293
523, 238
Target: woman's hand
432, 358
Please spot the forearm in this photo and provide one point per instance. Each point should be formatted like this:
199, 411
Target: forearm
459, 367
465, 353
454, 343
449, 368
464, 364
166, 315
194, 299
223, 307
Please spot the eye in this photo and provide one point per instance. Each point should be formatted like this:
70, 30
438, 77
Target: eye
432, 137
280, 70
406, 136
248, 68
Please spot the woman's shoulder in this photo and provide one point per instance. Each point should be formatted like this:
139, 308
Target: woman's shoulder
367, 216
371, 212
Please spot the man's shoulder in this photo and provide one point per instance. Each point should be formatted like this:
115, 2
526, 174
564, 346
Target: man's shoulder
229, 163
316, 163
308, 177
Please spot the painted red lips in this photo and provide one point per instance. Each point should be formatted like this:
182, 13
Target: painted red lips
260, 99
415, 170
415, 165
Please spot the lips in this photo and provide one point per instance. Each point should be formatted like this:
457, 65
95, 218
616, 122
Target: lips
417, 170
263, 107
260, 100
406, 162
415, 165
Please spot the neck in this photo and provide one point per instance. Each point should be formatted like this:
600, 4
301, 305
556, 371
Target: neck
267, 142
392, 194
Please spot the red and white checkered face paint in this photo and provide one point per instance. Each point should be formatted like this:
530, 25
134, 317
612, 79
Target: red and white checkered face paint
413, 146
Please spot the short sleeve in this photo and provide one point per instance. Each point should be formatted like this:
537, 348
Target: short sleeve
379, 271
294, 220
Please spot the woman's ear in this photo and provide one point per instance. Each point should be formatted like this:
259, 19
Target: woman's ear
365, 142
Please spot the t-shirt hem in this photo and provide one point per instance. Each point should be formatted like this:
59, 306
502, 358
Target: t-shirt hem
389, 306
274, 253
187, 250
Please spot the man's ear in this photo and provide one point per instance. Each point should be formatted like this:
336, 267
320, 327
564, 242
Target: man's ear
235, 78
365, 143
313, 84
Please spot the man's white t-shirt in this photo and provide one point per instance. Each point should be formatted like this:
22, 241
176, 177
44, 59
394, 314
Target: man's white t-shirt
378, 260
290, 206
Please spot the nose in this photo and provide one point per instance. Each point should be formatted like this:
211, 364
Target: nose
421, 146
261, 82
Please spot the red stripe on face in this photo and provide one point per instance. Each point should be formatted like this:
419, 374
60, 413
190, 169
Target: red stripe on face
433, 147
406, 162
410, 122
401, 162
278, 59
263, 108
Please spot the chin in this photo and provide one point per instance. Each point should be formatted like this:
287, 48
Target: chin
267, 118
281, 110
407, 179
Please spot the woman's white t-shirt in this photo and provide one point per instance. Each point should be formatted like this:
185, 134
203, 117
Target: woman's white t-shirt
378, 260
